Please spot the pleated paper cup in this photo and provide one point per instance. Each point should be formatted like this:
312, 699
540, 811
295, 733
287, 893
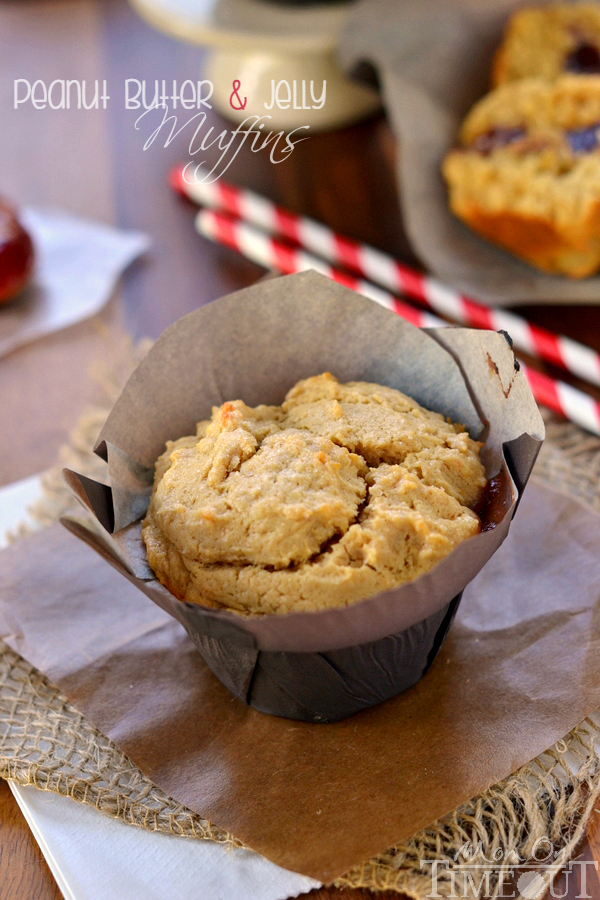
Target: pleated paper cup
254, 345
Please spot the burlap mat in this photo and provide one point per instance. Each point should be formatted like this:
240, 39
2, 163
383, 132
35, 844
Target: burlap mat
45, 742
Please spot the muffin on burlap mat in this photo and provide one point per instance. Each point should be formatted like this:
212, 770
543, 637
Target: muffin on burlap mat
46, 742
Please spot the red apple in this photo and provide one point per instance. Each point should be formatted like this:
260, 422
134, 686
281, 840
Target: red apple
16, 254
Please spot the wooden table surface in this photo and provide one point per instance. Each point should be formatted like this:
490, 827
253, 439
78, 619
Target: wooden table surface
92, 163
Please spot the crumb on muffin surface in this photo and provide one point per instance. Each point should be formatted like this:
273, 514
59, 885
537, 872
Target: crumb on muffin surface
343, 491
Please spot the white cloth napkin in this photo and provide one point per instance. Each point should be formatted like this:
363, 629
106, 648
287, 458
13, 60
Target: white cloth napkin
78, 264
96, 858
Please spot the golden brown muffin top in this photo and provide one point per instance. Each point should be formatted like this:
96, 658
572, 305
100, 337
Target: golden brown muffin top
342, 491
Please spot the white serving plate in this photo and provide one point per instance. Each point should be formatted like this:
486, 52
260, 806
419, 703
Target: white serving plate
259, 43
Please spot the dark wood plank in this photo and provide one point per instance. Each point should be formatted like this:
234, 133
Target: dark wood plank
579, 879
55, 158
593, 834
24, 874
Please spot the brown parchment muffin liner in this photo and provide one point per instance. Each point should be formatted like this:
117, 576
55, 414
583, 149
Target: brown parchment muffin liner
254, 345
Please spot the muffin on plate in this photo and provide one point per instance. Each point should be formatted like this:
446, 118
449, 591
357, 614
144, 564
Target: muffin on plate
547, 41
343, 491
527, 172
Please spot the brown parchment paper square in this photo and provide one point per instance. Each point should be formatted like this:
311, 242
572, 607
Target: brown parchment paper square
434, 61
521, 667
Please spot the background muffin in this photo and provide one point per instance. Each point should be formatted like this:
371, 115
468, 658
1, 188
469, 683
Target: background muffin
527, 173
343, 491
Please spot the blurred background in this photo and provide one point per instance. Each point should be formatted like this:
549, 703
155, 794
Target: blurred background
91, 163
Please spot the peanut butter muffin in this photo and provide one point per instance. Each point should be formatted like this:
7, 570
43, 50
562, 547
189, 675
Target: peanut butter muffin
527, 173
547, 41
343, 491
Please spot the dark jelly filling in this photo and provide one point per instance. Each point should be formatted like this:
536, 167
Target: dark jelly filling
580, 140
583, 60
497, 137
583, 140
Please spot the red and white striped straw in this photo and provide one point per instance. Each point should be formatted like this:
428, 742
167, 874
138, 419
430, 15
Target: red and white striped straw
274, 254
382, 269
